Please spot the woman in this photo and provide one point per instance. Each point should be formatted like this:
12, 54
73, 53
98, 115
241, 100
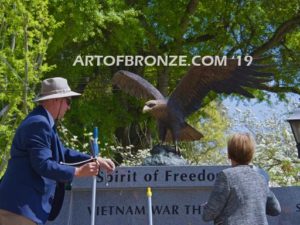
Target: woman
241, 195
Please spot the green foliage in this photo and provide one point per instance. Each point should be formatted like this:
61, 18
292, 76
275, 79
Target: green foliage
275, 151
132, 158
154, 28
61, 30
100, 108
25, 29
91, 28
213, 123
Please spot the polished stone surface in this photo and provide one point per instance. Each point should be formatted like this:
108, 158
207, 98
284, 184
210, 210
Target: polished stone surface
178, 193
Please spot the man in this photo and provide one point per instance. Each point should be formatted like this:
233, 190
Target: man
32, 188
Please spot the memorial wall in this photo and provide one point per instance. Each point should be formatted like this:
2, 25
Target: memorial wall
178, 195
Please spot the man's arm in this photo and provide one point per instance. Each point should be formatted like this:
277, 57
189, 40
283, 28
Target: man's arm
37, 142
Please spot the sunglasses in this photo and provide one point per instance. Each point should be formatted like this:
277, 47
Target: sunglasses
68, 101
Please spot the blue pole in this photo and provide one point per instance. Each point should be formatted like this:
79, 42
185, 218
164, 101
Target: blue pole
95, 154
95, 142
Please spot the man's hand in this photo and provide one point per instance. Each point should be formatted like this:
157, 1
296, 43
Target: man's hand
106, 164
93, 168
87, 170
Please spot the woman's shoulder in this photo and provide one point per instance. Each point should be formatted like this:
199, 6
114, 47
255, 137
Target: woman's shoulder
240, 173
242, 169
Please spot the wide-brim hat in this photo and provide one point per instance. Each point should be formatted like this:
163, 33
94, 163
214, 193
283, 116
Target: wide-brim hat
56, 87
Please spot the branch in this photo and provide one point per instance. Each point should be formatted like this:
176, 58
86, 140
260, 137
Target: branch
290, 52
150, 33
12, 69
26, 66
4, 110
251, 35
190, 9
13, 38
279, 34
201, 38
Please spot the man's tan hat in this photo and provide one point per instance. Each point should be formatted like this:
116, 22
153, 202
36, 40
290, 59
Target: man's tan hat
56, 87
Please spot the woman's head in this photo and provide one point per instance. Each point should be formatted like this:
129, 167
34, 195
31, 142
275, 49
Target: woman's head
240, 148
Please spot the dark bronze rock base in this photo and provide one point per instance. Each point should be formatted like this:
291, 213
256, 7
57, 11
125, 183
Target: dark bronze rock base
164, 155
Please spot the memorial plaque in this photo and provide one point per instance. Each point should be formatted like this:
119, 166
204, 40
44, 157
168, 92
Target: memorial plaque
154, 176
178, 195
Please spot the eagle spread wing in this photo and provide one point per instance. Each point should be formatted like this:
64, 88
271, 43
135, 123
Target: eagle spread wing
233, 78
135, 85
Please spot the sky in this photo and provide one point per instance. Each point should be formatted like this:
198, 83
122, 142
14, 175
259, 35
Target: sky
262, 110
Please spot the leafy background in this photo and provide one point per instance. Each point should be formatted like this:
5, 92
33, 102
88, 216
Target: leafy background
40, 39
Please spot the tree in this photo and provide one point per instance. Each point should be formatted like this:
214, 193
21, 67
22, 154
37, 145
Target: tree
189, 27
275, 150
214, 123
91, 28
25, 30
184, 27
224, 28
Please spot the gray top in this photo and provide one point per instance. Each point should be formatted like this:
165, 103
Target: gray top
240, 196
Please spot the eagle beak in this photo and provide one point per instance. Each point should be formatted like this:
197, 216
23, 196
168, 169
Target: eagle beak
146, 109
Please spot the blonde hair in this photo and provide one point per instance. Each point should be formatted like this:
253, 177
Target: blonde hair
240, 148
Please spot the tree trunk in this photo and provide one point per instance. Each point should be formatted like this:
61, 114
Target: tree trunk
163, 80
25, 83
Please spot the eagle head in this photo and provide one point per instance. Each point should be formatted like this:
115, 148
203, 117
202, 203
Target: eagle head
154, 105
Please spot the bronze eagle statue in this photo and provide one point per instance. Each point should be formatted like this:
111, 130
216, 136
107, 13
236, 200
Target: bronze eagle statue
188, 96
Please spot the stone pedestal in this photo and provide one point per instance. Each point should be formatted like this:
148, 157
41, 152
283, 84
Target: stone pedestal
178, 195
164, 155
